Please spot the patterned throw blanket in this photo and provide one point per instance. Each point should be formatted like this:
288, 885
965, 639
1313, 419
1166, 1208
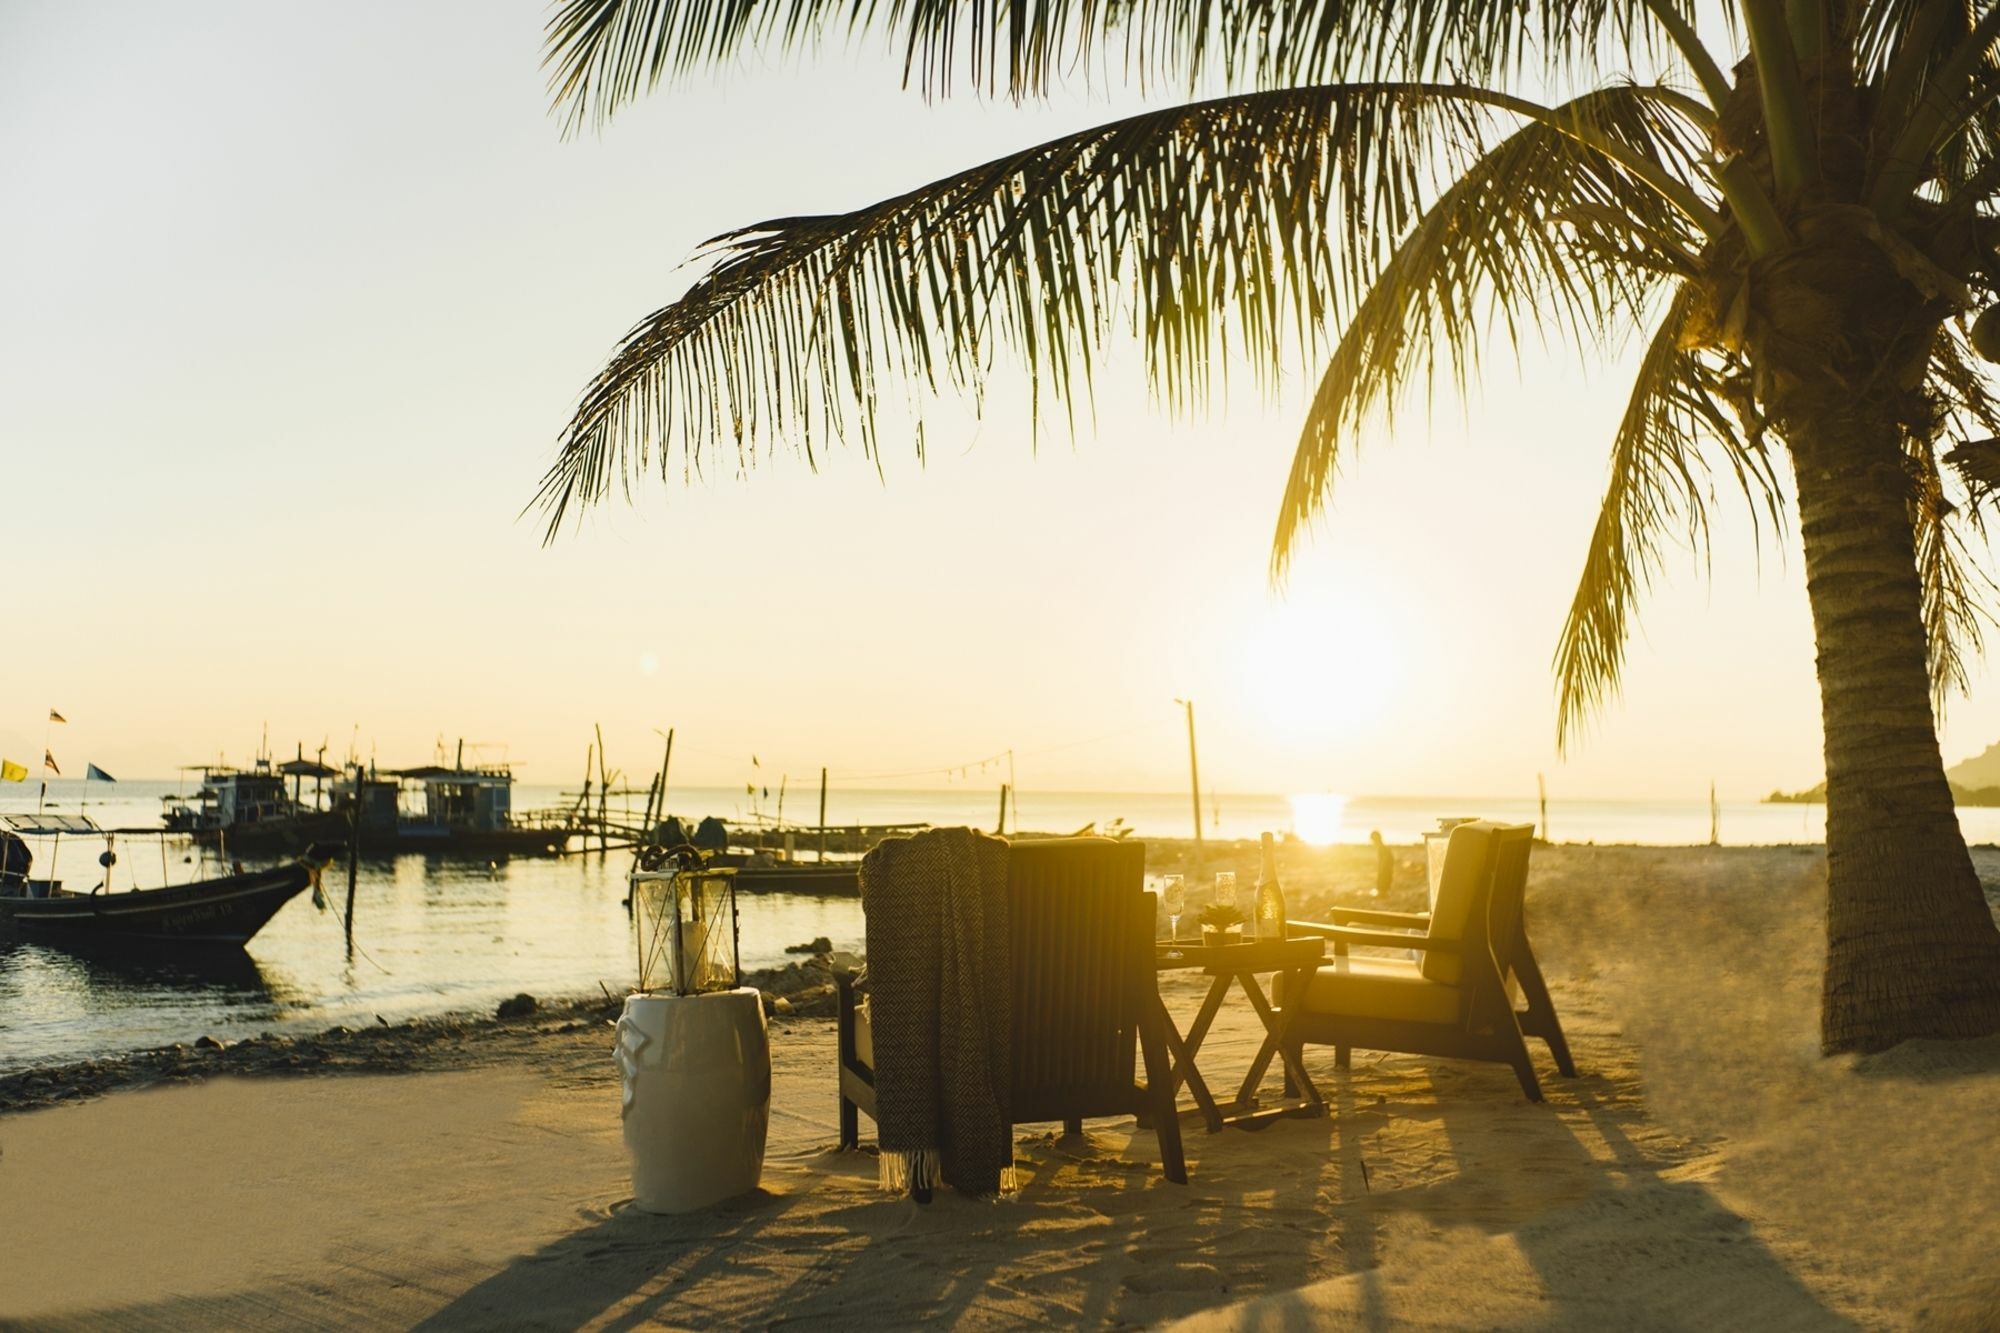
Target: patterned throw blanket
940, 1008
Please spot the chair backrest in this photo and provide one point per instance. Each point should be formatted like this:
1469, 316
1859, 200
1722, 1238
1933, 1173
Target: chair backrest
1510, 887
1081, 928
1461, 898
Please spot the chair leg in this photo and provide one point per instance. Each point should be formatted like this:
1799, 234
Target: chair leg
1516, 1054
844, 1056
1542, 1021
1073, 1126
1343, 1057
1160, 1091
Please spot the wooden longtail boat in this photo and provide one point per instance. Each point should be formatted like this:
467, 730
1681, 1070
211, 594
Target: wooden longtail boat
224, 911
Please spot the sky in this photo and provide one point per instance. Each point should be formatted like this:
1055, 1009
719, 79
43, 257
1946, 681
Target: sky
294, 301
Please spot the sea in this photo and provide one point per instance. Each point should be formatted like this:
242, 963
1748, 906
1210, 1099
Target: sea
434, 936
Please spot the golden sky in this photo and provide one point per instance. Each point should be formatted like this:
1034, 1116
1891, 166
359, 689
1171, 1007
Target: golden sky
294, 300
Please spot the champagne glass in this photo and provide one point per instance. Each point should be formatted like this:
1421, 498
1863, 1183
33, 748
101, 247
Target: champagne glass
1173, 896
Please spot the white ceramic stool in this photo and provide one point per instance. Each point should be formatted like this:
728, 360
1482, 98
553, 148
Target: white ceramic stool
697, 1096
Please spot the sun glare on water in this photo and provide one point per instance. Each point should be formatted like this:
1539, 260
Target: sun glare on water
1317, 817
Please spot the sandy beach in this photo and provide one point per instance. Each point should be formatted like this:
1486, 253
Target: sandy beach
1707, 1169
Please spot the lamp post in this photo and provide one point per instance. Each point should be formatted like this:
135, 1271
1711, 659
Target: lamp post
1194, 776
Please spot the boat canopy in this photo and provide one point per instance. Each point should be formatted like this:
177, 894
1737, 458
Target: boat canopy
49, 825
307, 768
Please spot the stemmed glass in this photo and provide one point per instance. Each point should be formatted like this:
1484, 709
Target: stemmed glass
1173, 896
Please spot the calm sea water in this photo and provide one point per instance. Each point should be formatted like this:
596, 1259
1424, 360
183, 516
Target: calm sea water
437, 936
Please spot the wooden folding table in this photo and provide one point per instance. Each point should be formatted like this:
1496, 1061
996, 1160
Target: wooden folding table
1296, 961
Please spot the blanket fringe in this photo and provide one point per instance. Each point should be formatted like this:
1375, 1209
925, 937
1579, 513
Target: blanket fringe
903, 1171
1010, 1179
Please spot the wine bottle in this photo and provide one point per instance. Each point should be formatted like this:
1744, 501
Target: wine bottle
1270, 898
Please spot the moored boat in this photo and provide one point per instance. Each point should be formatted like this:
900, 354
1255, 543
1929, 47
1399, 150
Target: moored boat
225, 911
452, 810
248, 812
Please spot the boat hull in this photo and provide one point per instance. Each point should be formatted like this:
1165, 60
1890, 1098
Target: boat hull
469, 844
274, 837
811, 880
225, 912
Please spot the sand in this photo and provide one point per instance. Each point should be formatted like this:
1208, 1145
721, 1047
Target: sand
1708, 1169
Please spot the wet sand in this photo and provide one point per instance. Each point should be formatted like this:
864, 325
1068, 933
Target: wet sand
1707, 1169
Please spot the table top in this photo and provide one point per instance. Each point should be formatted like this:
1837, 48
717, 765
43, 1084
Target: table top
1252, 956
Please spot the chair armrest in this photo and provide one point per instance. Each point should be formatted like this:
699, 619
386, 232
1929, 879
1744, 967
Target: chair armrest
1343, 936
1372, 916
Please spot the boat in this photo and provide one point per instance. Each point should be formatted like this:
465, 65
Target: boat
248, 812
224, 911
835, 879
456, 810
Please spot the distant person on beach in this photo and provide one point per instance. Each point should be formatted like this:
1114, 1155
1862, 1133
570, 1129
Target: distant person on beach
1385, 864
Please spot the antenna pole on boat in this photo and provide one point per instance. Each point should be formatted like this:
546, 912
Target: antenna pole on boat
43, 797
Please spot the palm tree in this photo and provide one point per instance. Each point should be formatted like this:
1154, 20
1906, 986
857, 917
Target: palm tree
1377, 191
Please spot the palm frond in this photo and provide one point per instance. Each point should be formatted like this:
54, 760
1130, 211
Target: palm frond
1232, 227
1897, 44
1953, 95
1658, 489
1955, 591
791, 332
1541, 230
603, 54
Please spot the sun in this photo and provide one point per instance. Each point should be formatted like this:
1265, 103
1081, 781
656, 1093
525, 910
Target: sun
1318, 817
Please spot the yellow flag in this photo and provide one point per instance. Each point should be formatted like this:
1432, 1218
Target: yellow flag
12, 772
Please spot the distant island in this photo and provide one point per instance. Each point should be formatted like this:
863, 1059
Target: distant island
1975, 782
1968, 796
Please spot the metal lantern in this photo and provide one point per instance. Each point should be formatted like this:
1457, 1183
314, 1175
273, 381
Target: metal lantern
687, 929
693, 1057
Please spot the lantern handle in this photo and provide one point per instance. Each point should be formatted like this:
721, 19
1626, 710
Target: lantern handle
684, 856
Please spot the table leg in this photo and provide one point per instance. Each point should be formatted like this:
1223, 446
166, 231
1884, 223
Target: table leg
1181, 1054
1296, 983
1277, 1028
1247, 1092
1211, 1005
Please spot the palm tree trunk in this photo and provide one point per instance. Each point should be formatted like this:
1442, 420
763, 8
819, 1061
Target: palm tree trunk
1912, 950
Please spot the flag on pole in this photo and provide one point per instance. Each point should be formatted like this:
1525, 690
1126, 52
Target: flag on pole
54, 716
92, 773
49, 762
12, 772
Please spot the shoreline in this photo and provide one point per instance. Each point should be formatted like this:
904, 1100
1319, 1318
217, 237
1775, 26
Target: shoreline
1707, 1168
458, 1039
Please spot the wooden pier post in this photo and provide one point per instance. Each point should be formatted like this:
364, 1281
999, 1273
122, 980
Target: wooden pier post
1000, 828
603, 796
666, 763
822, 814
353, 855
1194, 777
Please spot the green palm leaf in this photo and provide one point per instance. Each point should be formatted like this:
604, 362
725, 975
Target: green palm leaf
1543, 230
1223, 226
1658, 490
602, 54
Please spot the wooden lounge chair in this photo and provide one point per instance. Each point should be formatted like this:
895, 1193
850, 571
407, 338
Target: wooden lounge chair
1455, 999
1085, 996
